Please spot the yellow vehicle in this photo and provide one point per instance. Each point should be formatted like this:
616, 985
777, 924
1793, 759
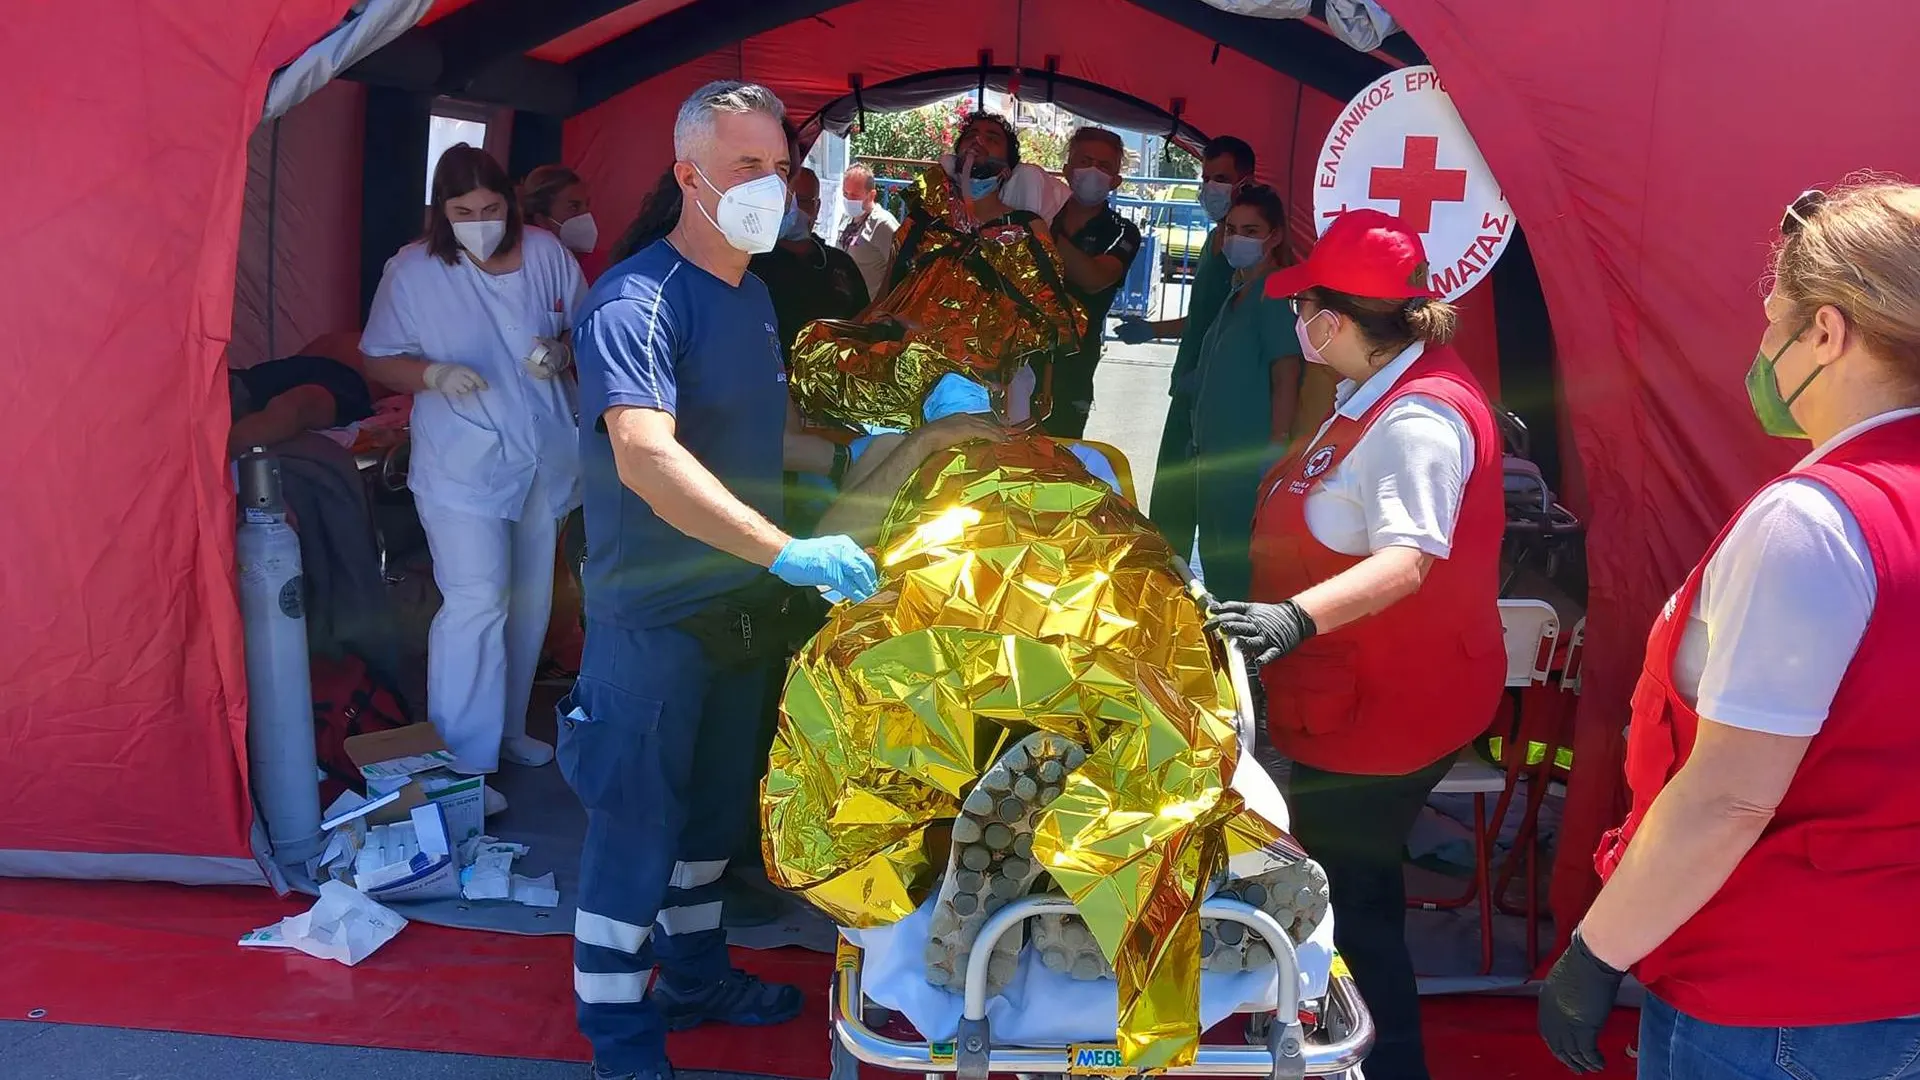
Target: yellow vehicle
1180, 231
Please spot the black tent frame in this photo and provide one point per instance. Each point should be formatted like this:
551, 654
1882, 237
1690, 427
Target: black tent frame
478, 53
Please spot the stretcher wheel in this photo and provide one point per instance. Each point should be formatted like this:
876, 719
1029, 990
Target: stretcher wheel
842, 1065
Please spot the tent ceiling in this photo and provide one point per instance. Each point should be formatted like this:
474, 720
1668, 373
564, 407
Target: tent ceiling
565, 56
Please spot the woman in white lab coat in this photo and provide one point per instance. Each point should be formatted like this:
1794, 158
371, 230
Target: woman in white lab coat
473, 319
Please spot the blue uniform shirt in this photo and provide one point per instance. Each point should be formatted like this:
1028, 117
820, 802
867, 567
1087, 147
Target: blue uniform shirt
658, 332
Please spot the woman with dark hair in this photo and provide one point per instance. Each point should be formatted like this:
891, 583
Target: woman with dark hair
474, 320
1376, 620
659, 213
1246, 391
554, 198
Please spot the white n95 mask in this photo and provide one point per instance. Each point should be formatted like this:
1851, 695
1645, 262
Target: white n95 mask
750, 213
480, 238
579, 233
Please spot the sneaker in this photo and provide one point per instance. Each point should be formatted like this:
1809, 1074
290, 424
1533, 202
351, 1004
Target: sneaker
991, 862
1295, 894
526, 750
740, 999
663, 1072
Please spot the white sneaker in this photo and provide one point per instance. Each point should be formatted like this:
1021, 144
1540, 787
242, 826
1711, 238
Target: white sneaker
493, 803
991, 862
526, 750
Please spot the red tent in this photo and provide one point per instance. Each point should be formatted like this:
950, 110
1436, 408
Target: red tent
1646, 153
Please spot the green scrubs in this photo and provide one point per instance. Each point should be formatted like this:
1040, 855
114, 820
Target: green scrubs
1172, 504
1232, 423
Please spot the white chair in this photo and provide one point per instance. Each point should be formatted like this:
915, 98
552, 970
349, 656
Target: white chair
1576, 648
1531, 629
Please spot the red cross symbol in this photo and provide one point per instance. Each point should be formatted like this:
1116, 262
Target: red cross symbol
1419, 182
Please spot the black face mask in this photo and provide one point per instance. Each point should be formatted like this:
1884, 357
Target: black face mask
988, 168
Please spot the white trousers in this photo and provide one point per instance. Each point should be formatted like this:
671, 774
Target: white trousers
496, 587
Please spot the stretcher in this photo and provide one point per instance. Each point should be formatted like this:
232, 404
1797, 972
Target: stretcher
1328, 1036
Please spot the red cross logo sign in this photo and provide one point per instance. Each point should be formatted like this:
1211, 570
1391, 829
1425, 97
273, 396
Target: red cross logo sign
1320, 462
1419, 182
1401, 147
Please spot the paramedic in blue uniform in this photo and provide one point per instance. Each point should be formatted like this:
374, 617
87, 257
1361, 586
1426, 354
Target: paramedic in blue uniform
683, 405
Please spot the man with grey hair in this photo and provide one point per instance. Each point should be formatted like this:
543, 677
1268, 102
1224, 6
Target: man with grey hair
683, 403
1096, 246
868, 233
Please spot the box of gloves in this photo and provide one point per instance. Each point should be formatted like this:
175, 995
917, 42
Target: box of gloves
414, 765
410, 859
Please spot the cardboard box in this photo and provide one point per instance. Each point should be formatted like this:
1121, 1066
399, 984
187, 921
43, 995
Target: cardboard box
430, 872
413, 762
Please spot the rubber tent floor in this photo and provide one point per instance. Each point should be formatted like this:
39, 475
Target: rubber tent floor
122, 954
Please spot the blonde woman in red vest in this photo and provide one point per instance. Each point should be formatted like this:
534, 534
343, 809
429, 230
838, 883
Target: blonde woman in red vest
1766, 885
1376, 552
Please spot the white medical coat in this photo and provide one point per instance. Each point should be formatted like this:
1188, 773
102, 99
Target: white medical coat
480, 452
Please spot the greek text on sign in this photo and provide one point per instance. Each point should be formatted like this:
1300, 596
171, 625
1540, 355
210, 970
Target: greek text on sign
1401, 147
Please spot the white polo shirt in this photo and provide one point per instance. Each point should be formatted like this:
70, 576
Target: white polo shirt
1401, 484
1782, 607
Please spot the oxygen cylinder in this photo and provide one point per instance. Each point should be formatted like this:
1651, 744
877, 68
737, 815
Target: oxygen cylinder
279, 687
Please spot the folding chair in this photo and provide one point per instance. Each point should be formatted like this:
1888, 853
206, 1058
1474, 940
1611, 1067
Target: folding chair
1531, 629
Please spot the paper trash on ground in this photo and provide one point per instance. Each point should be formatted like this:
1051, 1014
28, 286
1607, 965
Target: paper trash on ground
344, 925
536, 892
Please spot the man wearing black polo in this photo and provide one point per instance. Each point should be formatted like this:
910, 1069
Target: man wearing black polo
807, 279
1097, 246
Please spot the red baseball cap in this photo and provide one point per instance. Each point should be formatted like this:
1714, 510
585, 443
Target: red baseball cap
1363, 253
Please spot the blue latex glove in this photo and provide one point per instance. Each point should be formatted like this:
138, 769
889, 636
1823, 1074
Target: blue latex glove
1134, 330
835, 562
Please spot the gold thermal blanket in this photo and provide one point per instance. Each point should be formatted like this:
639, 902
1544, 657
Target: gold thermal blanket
1019, 594
974, 300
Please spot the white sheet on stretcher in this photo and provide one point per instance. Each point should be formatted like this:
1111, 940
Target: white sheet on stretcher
1043, 1007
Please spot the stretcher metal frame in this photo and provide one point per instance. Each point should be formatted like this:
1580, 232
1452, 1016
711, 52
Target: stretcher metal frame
1286, 1055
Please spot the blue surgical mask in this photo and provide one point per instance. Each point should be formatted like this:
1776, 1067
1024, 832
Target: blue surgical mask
980, 187
1216, 199
1243, 251
796, 225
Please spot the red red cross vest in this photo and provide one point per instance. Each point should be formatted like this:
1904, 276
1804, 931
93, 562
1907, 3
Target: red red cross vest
1820, 923
1397, 691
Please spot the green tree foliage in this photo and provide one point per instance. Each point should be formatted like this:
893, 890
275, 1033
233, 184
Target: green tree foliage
898, 144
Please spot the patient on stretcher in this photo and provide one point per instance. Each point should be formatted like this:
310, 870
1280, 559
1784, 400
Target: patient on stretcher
1028, 703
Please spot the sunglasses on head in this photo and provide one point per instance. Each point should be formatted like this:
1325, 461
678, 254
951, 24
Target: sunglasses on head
1800, 211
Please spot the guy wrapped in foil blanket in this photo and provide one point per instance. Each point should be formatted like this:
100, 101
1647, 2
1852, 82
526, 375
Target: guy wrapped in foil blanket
1029, 702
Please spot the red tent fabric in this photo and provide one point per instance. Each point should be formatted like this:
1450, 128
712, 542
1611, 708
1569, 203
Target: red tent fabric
122, 691
1646, 154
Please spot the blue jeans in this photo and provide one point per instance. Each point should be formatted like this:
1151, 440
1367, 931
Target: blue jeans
1675, 1046
659, 748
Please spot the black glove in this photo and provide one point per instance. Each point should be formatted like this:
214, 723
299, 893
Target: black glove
1575, 1002
1263, 632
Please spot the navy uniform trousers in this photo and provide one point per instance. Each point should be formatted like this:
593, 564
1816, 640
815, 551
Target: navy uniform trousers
659, 748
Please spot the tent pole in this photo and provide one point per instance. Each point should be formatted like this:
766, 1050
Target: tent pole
273, 222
